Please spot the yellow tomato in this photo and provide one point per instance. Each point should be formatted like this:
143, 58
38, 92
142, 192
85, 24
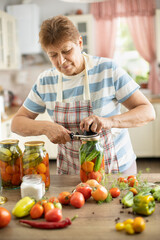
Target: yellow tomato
129, 220
120, 226
129, 228
99, 193
139, 224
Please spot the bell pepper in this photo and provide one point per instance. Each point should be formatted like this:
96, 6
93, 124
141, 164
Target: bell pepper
156, 195
23, 207
155, 189
144, 205
127, 200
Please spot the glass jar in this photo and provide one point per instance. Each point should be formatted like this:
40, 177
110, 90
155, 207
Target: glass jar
32, 186
91, 156
10, 164
36, 161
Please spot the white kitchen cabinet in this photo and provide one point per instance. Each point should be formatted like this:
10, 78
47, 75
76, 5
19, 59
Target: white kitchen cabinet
28, 26
143, 140
9, 52
157, 129
85, 26
7, 134
146, 139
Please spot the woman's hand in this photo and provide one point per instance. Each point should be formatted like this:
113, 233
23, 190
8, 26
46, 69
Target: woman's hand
57, 133
97, 123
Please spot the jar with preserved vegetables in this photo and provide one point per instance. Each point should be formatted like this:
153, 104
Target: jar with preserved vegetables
11, 164
91, 156
36, 161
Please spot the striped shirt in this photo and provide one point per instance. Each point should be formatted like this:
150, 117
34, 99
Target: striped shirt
109, 86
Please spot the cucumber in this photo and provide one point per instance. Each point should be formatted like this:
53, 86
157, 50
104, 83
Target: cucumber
85, 150
4, 157
30, 157
5, 151
98, 162
92, 155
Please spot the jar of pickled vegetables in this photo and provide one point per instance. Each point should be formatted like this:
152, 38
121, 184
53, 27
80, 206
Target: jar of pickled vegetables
36, 161
91, 156
10, 164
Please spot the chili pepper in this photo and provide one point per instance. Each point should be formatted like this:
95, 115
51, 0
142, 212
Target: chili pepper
127, 200
144, 205
48, 225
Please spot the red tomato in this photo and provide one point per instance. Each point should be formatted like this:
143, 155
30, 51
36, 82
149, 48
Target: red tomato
132, 182
64, 198
122, 179
77, 199
92, 183
95, 175
48, 206
53, 215
5, 217
36, 211
131, 176
99, 193
42, 202
115, 192
53, 200
85, 189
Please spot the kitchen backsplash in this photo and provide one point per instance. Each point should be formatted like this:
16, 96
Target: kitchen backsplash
20, 82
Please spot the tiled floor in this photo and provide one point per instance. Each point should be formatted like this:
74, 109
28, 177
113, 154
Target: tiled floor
142, 163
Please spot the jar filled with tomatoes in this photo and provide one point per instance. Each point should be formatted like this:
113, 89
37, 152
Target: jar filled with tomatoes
11, 164
91, 156
36, 161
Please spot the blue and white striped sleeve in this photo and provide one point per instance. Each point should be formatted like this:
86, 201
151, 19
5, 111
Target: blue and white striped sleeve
34, 102
125, 86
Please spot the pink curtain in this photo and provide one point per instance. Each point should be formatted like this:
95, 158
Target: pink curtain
140, 15
105, 36
143, 33
105, 28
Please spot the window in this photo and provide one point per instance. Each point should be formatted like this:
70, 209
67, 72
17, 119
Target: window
127, 56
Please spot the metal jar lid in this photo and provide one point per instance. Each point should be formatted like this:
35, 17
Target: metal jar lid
9, 141
34, 143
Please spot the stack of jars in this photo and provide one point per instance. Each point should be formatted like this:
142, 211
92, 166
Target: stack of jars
14, 165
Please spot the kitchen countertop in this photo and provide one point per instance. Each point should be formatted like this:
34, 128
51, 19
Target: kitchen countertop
94, 221
9, 113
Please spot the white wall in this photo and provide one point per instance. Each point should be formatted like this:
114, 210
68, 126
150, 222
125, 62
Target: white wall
49, 8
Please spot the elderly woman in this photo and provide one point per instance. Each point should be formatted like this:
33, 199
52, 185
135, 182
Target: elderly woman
80, 91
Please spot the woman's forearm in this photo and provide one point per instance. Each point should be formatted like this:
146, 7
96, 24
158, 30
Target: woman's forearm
135, 117
28, 127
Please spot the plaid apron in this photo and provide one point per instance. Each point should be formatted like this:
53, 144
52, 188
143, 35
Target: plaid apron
69, 115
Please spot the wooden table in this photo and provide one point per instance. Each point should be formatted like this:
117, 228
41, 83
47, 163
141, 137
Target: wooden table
94, 221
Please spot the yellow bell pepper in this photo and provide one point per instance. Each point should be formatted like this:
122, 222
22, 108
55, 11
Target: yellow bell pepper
88, 166
23, 207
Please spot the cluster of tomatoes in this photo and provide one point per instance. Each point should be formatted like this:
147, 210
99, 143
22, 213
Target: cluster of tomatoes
132, 226
130, 180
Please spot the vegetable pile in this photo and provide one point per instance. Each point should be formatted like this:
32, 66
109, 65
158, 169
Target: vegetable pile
133, 193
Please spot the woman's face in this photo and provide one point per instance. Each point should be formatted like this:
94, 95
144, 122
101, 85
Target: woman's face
67, 57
